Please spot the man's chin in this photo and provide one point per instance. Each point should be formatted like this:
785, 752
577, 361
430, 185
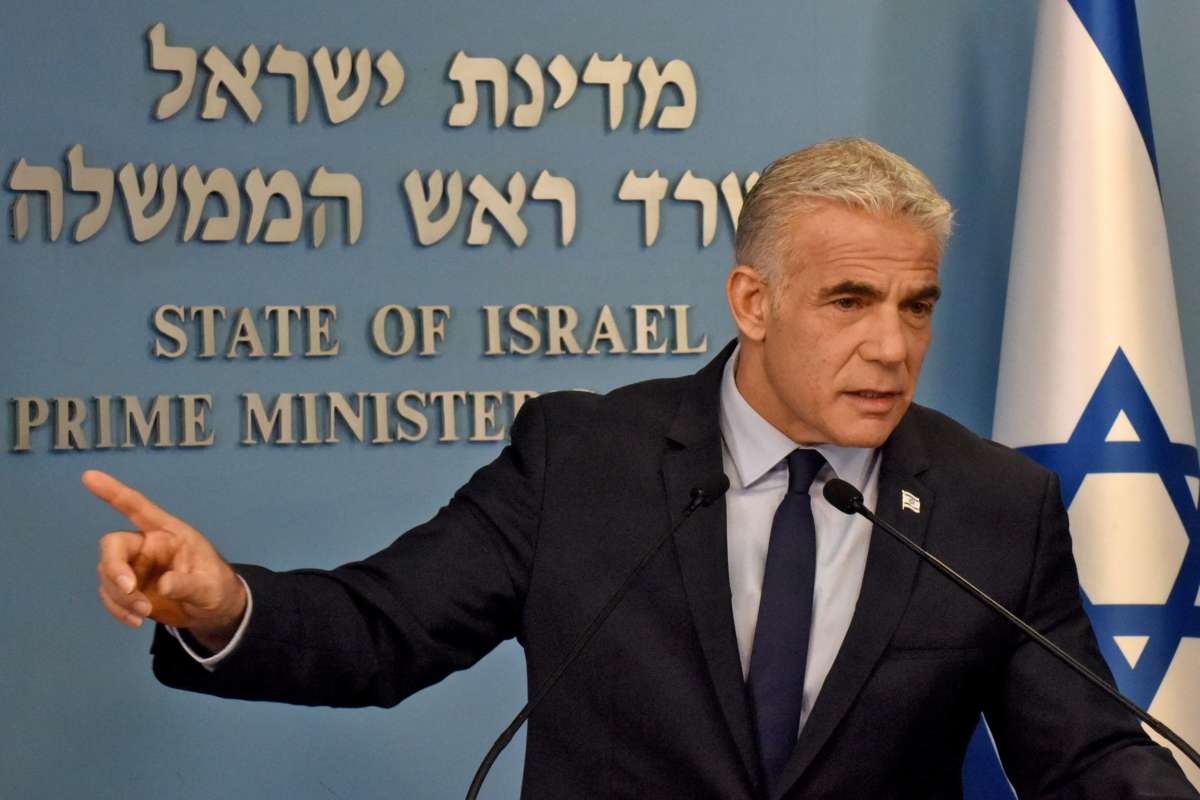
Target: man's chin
865, 442
866, 433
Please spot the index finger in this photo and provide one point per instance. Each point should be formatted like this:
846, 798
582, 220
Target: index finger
130, 502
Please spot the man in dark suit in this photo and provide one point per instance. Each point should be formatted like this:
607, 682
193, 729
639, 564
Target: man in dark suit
774, 648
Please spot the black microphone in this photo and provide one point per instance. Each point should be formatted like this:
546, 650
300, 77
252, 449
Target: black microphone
843, 496
847, 499
703, 495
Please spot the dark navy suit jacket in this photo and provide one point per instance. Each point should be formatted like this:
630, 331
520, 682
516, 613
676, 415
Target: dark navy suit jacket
534, 543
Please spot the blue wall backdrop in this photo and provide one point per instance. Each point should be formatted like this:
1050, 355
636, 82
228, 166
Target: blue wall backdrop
941, 81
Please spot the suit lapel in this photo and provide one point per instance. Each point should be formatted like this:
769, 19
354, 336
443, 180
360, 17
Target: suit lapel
693, 458
887, 584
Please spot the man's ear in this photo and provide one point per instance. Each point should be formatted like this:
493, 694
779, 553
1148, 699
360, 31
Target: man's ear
749, 301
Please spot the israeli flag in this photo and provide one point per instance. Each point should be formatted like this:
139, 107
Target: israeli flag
1092, 381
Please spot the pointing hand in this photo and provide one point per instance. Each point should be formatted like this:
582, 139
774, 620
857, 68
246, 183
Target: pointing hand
164, 569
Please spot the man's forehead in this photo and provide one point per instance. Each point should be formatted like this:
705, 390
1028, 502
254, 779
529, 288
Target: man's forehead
871, 271
834, 233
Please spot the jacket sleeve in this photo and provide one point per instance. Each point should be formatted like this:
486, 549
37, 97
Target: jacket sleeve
372, 632
1057, 734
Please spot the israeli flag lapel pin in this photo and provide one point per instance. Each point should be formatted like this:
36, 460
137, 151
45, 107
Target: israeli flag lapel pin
909, 502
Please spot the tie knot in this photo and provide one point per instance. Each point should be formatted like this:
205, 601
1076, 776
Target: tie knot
803, 466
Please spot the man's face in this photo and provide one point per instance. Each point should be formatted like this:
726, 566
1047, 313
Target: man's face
835, 358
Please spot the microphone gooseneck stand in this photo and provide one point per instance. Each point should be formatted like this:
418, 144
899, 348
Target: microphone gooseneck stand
849, 500
704, 495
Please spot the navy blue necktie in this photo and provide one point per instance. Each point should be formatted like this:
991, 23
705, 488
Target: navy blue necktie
784, 619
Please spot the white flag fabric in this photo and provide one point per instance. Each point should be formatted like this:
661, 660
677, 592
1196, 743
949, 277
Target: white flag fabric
1092, 381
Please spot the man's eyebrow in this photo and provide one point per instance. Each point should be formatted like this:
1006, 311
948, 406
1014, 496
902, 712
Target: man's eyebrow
853, 289
930, 292
868, 292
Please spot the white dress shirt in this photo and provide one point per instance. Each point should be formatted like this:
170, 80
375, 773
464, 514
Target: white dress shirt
754, 454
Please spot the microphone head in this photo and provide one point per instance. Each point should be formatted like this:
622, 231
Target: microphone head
843, 496
711, 490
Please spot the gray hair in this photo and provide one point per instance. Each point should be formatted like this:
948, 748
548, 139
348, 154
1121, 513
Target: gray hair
856, 173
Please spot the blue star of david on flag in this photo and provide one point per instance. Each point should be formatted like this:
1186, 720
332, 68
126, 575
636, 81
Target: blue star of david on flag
1090, 451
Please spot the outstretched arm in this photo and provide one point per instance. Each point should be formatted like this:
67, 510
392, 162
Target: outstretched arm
370, 632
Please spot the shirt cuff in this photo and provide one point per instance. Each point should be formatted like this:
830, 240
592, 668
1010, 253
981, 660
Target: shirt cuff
212, 661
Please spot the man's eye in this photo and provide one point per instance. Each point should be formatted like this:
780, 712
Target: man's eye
921, 308
848, 303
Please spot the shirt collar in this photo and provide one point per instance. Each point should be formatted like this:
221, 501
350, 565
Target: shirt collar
756, 446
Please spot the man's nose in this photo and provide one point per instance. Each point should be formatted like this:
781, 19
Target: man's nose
885, 342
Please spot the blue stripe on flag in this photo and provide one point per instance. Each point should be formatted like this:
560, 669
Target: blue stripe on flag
983, 775
1113, 26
